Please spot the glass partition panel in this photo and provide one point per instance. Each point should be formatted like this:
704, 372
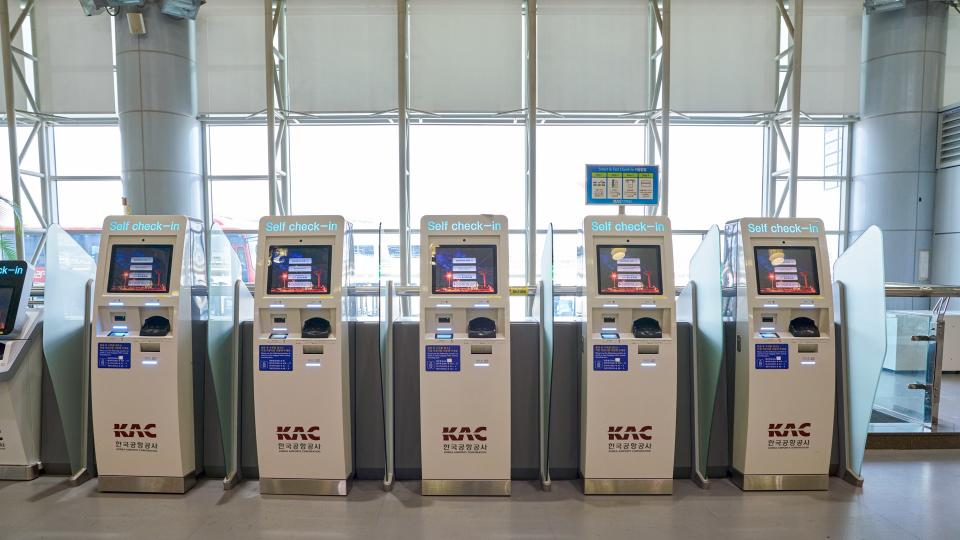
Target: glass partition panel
861, 305
897, 406
545, 301
68, 269
387, 310
707, 316
230, 303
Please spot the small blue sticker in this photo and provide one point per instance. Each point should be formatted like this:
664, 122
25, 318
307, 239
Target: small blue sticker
772, 356
443, 357
610, 357
113, 355
276, 358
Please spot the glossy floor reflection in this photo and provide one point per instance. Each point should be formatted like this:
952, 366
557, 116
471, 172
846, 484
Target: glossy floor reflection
908, 494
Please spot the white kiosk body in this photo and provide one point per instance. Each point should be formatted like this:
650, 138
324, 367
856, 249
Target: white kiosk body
21, 366
464, 355
150, 292
628, 395
301, 365
785, 353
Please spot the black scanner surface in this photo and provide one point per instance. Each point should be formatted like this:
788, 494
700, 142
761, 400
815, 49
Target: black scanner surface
316, 328
482, 327
803, 327
155, 326
645, 327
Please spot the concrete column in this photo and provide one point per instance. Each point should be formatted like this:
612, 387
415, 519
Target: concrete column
894, 143
157, 105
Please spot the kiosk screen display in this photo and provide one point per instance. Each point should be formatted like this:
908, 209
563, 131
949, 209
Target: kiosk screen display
470, 269
787, 270
299, 270
629, 270
6, 298
140, 268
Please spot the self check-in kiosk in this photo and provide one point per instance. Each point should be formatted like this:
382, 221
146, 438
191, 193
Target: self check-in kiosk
785, 353
301, 363
150, 293
628, 395
21, 365
464, 355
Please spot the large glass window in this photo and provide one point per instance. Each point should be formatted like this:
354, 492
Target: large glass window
467, 169
563, 152
346, 170
716, 175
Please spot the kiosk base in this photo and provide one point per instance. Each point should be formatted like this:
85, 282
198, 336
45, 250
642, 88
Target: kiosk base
483, 488
304, 486
19, 472
780, 482
628, 486
146, 484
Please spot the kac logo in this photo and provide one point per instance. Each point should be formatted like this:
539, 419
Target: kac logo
627, 433
464, 434
129, 431
297, 433
788, 430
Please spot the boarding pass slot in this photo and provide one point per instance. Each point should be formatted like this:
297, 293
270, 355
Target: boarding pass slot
313, 349
149, 347
648, 349
481, 349
807, 347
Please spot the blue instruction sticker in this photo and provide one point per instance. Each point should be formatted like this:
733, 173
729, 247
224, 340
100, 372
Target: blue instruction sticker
443, 357
113, 355
276, 358
772, 356
610, 357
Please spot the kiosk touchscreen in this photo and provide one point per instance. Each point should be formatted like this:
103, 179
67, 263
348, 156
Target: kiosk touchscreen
464, 355
149, 304
21, 365
785, 353
628, 395
301, 361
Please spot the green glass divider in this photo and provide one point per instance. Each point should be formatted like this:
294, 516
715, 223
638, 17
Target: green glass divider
545, 301
703, 301
860, 308
230, 303
68, 269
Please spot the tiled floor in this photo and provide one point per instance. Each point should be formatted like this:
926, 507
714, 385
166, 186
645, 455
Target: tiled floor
907, 495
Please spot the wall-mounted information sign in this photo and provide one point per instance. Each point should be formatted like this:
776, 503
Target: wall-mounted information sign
623, 184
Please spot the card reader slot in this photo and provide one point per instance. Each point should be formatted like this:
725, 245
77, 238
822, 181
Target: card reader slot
313, 349
481, 349
149, 347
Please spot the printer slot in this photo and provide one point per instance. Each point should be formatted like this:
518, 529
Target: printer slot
807, 348
150, 347
313, 349
648, 349
481, 349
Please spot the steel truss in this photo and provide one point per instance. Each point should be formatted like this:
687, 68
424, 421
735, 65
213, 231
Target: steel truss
40, 126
